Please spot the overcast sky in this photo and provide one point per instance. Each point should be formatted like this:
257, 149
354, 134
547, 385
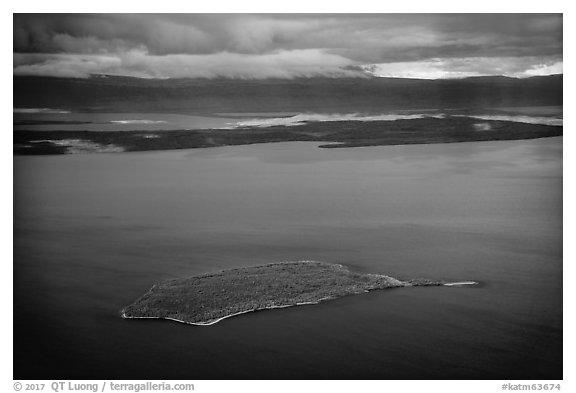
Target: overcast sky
288, 45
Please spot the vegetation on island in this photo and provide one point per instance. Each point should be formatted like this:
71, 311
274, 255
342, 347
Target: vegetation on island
208, 298
333, 134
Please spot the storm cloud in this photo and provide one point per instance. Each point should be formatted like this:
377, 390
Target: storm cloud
287, 45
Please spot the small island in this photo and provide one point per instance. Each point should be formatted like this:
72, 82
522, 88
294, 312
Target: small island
209, 298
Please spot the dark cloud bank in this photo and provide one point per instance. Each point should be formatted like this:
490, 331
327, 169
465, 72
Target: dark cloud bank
287, 45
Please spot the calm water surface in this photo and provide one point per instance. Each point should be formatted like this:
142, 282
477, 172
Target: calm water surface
94, 232
45, 119
102, 121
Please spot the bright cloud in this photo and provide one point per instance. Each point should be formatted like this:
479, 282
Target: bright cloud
518, 67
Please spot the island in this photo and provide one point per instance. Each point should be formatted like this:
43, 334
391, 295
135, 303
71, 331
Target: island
209, 298
333, 134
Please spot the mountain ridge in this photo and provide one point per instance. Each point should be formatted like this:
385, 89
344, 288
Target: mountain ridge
319, 94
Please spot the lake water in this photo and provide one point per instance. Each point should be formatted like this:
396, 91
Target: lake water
94, 232
47, 119
102, 121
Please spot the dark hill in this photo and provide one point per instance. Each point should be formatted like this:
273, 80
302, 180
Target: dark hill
124, 94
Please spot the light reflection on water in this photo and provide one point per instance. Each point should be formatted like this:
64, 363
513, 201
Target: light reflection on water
61, 120
99, 121
94, 232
